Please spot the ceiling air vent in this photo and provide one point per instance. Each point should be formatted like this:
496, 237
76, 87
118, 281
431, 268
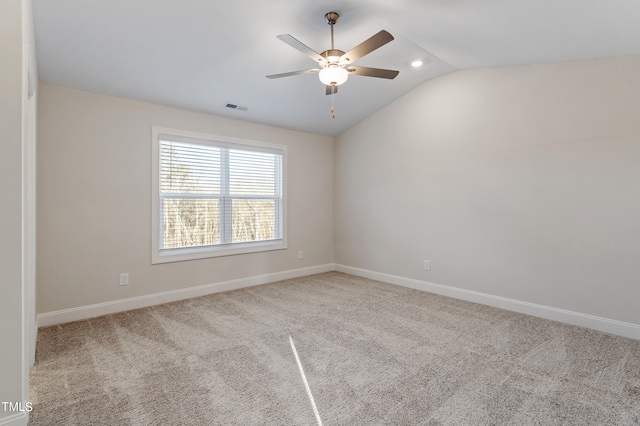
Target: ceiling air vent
238, 107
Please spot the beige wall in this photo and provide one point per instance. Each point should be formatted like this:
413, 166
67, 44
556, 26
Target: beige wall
11, 211
17, 220
94, 200
521, 182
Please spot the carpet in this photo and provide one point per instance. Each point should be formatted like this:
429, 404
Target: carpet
336, 349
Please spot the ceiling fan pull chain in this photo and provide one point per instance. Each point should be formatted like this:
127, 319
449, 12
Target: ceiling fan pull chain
333, 115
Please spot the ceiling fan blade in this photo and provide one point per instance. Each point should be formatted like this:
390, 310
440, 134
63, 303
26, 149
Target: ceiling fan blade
373, 72
331, 90
299, 46
366, 47
288, 74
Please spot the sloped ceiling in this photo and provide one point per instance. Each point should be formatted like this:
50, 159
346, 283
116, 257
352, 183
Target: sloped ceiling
201, 54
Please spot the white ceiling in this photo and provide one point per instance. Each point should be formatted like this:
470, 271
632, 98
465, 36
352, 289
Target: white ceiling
202, 54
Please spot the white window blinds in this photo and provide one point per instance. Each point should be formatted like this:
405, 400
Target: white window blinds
217, 194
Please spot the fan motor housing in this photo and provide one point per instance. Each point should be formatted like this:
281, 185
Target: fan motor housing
332, 52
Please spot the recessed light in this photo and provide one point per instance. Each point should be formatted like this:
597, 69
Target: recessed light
417, 63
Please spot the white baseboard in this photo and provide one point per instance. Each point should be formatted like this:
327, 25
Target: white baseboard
619, 328
18, 419
99, 309
569, 317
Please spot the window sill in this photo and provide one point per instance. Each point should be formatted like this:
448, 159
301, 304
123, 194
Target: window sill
182, 254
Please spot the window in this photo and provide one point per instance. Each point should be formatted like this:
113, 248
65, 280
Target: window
215, 196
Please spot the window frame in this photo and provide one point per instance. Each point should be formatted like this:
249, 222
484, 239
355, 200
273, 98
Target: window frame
159, 255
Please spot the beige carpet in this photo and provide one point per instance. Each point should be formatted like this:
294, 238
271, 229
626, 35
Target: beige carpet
372, 353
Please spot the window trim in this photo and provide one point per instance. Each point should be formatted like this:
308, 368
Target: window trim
192, 253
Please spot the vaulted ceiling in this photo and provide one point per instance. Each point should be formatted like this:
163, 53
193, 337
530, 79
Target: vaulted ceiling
202, 54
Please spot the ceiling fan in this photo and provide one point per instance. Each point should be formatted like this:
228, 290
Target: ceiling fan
335, 65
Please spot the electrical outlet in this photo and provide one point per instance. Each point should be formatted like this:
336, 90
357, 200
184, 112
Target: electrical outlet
300, 254
427, 265
124, 279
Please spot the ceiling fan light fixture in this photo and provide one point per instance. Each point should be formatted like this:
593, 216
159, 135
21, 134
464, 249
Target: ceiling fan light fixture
333, 75
332, 63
